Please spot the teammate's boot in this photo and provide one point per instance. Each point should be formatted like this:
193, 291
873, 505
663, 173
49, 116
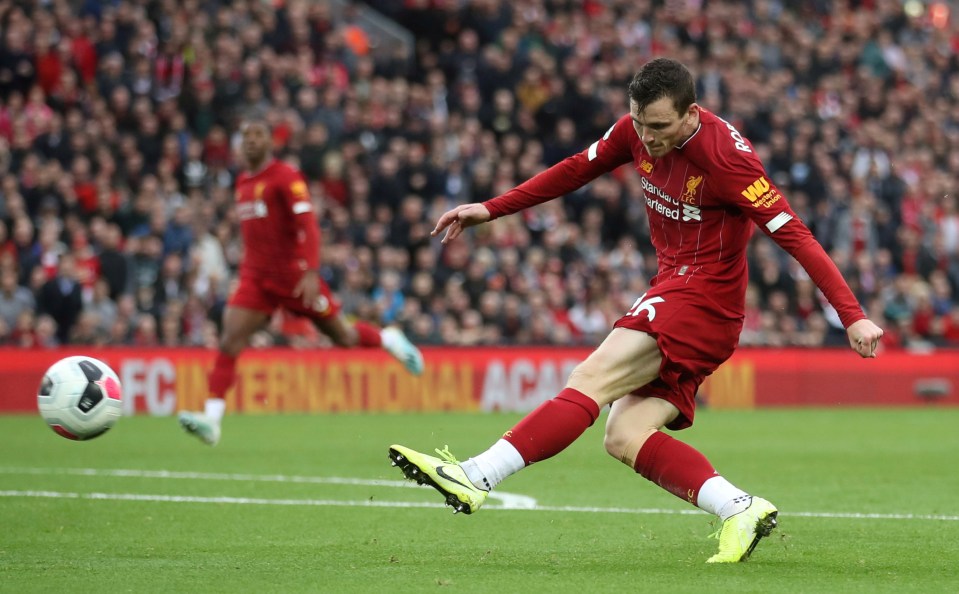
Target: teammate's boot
740, 533
443, 474
200, 426
404, 351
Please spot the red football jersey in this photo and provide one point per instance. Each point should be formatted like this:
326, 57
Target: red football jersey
280, 232
702, 200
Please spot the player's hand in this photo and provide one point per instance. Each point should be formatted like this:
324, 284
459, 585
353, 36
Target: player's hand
461, 217
864, 338
308, 288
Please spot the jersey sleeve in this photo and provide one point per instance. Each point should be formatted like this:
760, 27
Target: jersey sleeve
603, 156
753, 193
296, 197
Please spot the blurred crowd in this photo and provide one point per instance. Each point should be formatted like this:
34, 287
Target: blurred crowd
118, 151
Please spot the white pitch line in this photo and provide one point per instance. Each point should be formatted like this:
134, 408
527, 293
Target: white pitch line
859, 516
196, 499
412, 504
507, 500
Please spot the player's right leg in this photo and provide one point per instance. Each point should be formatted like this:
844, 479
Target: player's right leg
625, 361
239, 324
742, 531
633, 436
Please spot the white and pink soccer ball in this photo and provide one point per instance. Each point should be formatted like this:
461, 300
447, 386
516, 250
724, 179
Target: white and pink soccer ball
80, 397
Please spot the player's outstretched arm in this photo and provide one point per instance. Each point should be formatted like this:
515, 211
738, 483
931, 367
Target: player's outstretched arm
461, 217
864, 337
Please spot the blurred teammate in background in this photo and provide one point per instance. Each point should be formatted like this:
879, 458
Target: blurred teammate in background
704, 189
281, 256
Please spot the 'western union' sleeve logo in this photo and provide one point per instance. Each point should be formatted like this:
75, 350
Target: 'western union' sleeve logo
755, 190
298, 189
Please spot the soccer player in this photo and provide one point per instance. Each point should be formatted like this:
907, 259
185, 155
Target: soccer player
281, 240
704, 189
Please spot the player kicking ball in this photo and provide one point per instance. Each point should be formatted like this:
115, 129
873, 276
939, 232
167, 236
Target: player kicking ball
705, 189
281, 239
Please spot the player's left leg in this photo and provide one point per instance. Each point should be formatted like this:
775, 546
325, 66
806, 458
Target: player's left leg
326, 315
626, 360
239, 324
364, 335
633, 437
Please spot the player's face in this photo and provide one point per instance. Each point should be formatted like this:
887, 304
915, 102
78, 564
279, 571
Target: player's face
660, 127
255, 143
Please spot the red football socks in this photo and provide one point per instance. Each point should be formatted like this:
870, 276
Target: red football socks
554, 425
369, 335
674, 466
222, 376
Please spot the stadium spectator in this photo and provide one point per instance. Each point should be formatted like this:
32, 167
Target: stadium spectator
856, 123
60, 298
102, 308
14, 298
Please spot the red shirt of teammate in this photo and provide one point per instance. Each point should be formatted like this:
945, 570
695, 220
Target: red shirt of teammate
281, 241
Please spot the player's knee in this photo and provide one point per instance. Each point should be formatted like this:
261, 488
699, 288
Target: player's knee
617, 439
614, 444
345, 340
601, 383
344, 336
624, 443
231, 344
585, 378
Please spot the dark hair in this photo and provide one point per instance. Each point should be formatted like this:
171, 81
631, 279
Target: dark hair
255, 120
660, 78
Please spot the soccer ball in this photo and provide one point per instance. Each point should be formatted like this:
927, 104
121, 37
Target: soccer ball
80, 397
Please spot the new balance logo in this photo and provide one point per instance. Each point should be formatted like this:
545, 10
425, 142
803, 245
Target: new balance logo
645, 305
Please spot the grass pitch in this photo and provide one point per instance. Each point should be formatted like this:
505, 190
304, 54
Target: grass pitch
867, 503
